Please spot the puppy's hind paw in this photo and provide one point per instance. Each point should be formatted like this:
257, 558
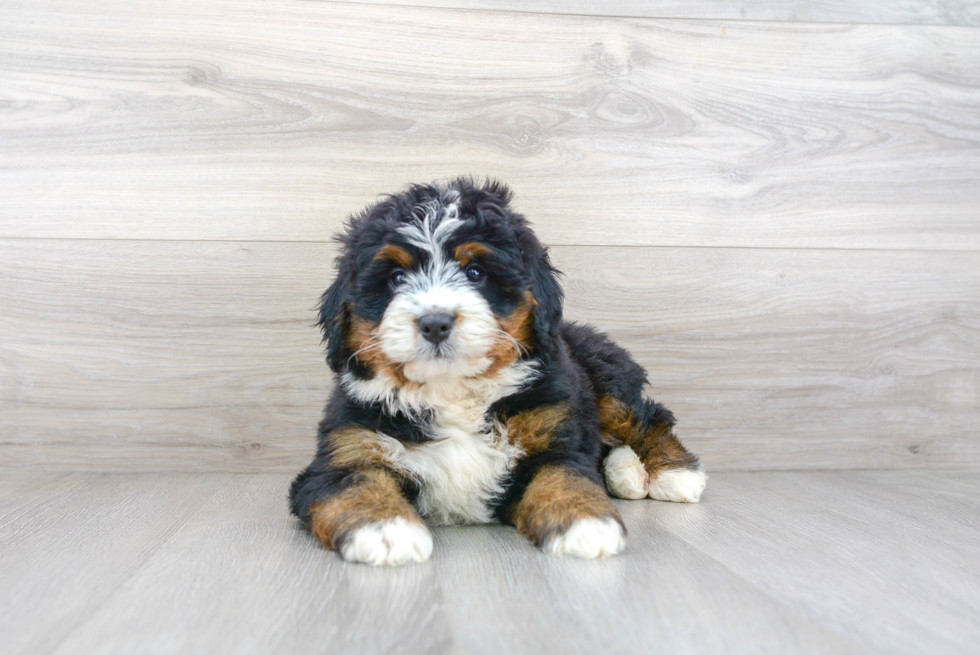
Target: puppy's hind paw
388, 543
625, 475
678, 486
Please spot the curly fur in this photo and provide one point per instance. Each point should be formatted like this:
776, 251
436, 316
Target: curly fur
506, 416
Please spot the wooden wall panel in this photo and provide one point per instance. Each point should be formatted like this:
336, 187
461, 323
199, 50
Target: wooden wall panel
933, 12
271, 121
781, 220
133, 355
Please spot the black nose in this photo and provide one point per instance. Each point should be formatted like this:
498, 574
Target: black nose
436, 327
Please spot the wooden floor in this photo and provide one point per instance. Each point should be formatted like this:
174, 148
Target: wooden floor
828, 562
772, 203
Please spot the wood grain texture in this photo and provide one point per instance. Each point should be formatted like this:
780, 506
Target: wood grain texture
240, 577
918, 12
68, 542
227, 119
862, 551
660, 591
842, 562
202, 356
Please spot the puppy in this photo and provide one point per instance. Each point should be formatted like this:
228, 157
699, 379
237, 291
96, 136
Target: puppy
462, 397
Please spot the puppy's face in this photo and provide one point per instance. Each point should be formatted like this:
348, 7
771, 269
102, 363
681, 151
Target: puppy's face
439, 282
437, 300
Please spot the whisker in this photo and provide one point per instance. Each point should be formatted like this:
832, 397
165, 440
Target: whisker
372, 344
521, 348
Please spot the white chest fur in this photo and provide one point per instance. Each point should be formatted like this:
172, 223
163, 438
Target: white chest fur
460, 471
464, 466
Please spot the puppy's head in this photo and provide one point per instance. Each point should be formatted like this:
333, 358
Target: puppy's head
440, 281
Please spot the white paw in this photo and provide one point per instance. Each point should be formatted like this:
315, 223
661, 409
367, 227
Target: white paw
388, 543
678, 486
589, 538
625, 475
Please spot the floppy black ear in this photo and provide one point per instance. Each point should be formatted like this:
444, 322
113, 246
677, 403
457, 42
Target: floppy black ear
495, 199
545, 287
334, 317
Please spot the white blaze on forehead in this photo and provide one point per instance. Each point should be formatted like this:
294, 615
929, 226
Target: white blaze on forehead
433, 223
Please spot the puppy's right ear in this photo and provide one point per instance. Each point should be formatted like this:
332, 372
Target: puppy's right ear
335, 317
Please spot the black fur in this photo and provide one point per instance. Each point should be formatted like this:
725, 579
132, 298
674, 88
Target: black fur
578, 364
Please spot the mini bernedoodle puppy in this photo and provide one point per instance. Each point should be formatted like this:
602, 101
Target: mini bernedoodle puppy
462, 397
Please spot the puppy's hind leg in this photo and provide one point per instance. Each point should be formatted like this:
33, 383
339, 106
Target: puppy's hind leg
626, 477
648, 441
646, 458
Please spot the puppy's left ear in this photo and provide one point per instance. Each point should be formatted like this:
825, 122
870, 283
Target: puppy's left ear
545, 288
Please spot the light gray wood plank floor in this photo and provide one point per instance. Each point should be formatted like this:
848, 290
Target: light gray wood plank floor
855, 561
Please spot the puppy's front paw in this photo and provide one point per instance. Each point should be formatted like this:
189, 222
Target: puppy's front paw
590, 538
388, 543
678, 486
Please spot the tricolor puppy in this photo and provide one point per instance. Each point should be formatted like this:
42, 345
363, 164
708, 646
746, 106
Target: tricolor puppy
462, 397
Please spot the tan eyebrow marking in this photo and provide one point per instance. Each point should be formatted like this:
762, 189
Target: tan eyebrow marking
398, 255
467, 252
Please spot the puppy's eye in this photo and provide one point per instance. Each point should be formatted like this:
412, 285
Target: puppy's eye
474, 273
397, 277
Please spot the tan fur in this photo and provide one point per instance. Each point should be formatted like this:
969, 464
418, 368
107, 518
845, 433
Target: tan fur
655, 445
356, 448
466, 253
363, 336
519, 325
398, 255
616, 420
375, 497
534, 430
555, 499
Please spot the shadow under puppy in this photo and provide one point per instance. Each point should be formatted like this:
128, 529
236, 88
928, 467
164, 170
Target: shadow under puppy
462, 396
